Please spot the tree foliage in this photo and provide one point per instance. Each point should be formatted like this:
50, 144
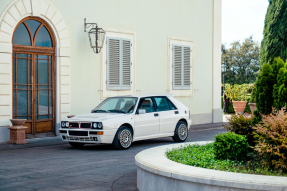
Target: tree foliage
241, 61
274, 43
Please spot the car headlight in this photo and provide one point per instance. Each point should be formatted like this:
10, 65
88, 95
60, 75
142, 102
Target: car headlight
97, 125
63, 124
67, 124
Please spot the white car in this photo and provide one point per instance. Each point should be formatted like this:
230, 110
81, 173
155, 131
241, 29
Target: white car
124, 119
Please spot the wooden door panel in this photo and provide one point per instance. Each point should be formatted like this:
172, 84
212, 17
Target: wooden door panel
29, 129
44, 127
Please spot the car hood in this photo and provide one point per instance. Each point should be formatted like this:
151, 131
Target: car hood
96, 116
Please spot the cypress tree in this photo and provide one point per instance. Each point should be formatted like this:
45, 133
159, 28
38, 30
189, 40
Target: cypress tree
274, 43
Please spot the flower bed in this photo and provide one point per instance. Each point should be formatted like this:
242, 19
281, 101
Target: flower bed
203, 156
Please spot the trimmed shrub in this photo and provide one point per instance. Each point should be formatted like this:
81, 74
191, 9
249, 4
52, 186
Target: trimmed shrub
241, 125
231, 146
272, 139
264, 90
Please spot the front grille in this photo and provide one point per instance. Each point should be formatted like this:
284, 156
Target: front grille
73, 124
80, 139
78, 133
86, 125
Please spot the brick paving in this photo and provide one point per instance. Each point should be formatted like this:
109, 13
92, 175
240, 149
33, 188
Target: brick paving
50, 164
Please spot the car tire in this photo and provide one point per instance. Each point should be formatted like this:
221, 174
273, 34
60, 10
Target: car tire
181, 132
76, 145
123, 138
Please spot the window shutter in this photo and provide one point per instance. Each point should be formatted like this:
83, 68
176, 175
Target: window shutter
126, 64
113, 63
177, 67
181, 67
118, 64
186, 67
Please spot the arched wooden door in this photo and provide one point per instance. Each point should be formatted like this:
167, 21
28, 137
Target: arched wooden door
34, 76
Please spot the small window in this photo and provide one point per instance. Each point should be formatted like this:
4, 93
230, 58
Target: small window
43, 38
163, 104
22, 36
147, 104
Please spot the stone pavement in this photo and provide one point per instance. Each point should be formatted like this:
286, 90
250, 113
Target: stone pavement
50, 164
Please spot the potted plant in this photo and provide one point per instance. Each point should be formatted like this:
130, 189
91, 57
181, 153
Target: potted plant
252, 102
237, 93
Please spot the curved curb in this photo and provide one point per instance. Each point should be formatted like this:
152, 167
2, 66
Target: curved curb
157, 172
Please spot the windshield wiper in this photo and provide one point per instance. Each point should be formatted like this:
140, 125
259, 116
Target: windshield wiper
95, 111
116, 111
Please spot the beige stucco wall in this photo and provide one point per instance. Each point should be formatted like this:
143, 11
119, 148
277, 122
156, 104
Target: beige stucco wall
152, 23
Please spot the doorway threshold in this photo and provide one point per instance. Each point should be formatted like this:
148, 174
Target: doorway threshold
40, 135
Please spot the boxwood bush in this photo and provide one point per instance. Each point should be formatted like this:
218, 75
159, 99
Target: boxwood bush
231, 146
241, 125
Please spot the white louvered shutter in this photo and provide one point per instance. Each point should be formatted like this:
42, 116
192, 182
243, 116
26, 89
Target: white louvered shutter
118, 64
186, 67
113, 63
181, 67
126, 64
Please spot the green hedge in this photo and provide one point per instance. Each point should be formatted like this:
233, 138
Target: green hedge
231, 109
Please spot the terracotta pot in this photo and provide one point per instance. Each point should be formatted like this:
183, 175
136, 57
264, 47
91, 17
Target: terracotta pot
252, 107
239, 106
18, 122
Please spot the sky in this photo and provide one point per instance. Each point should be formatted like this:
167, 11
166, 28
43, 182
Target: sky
243, 18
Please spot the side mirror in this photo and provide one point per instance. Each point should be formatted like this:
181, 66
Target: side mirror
142, 111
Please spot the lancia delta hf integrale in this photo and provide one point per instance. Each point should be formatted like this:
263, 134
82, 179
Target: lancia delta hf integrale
124, 119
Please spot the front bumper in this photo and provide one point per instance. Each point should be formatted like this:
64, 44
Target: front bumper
87, 135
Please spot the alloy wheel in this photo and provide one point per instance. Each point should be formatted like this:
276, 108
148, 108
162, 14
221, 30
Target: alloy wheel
182, 131
125, 138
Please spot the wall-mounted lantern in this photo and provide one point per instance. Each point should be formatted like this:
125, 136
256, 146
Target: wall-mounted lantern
96, 36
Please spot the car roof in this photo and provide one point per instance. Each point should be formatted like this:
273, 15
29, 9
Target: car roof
147, 95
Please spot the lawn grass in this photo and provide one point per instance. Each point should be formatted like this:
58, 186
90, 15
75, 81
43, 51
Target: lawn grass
203, 156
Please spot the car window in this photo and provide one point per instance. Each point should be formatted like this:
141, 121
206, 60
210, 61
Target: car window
163, 104
147, 104
117, 105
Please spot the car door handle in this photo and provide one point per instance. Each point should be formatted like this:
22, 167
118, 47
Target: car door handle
176, 112
156, 114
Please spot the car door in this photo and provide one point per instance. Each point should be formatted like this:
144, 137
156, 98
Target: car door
168, 114
146, 124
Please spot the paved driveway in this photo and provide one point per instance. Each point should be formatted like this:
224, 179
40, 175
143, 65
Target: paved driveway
94, 167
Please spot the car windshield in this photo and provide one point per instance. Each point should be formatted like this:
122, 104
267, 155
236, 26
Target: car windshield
116, 105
